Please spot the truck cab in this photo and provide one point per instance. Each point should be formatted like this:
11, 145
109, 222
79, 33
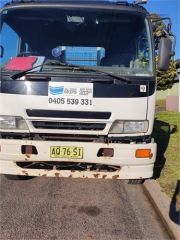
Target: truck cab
77, 92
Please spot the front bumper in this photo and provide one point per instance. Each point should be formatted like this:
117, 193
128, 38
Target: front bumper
124, 156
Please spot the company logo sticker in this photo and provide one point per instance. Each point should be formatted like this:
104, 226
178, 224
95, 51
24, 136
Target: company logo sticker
70, 95
56, 90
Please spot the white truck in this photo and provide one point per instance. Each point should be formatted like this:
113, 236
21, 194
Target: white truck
77, 89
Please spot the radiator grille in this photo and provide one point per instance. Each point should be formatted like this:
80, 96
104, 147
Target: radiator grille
68, 125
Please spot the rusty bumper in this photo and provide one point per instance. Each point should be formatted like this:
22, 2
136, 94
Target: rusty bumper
124, 157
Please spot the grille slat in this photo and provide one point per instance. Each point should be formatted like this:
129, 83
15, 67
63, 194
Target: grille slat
67, 114
68, 125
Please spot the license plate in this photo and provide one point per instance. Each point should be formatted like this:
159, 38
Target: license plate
66, 152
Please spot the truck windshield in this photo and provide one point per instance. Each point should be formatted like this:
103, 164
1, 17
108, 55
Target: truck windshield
111, 40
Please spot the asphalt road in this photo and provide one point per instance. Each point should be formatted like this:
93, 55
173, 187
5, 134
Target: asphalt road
53, 208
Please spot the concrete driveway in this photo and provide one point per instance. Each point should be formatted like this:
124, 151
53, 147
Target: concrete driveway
88, 209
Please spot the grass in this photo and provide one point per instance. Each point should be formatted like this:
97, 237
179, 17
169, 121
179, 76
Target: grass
167, 135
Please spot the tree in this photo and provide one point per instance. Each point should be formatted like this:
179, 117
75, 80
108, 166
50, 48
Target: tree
165, 78
158, 25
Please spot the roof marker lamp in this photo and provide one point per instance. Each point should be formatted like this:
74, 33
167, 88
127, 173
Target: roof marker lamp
140, 2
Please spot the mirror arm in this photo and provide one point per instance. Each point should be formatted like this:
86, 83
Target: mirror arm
1, 51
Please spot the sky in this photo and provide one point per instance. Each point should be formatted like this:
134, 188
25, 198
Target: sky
164, 8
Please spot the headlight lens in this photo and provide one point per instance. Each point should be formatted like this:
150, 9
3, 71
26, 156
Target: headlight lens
129, 127
12, 123
135, 126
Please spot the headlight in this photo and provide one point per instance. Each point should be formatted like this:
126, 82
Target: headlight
129, 127
12, 123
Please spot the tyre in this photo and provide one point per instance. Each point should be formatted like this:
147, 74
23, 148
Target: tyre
18, 177
136, 181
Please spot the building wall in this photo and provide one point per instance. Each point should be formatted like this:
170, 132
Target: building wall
174, 91
172, 97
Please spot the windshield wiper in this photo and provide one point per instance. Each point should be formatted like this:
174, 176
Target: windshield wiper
71, 67
49, 63
78, 67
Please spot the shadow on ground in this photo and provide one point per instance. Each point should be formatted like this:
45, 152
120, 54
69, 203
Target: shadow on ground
161, 134
174, 211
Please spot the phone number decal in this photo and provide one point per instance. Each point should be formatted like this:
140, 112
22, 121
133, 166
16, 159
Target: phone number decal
70, 101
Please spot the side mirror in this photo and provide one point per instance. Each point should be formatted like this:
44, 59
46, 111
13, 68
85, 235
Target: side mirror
165, 53
1, 51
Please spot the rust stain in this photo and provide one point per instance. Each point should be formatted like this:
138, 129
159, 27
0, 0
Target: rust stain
25, 173
57, 174
89, 237
115, 177
70, 176
44, 175
96, 175
104, 176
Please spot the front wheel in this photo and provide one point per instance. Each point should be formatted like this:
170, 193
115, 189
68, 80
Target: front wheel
136, 181
18, 177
